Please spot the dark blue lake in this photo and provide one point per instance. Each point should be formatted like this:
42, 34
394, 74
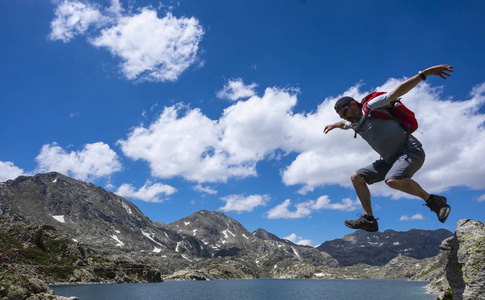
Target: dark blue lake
294, 289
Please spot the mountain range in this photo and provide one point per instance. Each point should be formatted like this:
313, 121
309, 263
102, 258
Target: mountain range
204, 245
378, 248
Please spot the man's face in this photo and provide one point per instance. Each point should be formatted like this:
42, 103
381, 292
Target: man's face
350, 113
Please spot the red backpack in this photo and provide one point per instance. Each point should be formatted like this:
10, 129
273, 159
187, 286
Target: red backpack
397, 111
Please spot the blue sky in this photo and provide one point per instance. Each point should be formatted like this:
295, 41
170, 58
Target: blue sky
220, 105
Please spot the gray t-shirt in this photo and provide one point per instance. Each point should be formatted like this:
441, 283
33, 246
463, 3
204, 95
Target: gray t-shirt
386, 137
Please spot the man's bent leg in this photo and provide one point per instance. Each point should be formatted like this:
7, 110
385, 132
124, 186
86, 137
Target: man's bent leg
409, 186
405, 166
437, 204
363, 193
360, 179
399, 178
367, 221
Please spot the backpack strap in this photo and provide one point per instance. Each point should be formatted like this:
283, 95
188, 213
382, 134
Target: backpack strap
406, 140
399, 115
374, 113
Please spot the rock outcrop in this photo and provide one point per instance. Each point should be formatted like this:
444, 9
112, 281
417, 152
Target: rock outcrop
463, 259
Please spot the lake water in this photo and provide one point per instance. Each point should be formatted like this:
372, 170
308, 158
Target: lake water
293, 289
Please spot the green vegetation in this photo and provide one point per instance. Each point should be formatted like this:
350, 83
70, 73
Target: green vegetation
8, 242
105, 273
61, 273
448, 295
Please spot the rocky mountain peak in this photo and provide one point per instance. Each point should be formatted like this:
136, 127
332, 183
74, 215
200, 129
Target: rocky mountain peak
215, 229
71, 206
265, 235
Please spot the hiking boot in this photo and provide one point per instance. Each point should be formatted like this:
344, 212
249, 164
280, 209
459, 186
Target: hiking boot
438, 205
363, 223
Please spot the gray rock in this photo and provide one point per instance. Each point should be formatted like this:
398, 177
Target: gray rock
37, 285
463, 258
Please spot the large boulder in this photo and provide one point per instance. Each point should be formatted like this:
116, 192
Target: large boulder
463, 257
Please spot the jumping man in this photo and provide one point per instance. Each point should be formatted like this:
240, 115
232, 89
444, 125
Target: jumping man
401, 153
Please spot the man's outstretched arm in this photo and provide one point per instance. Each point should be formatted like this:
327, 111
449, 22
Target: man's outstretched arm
440, 70
341, 125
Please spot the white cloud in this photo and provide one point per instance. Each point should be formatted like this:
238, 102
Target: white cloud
93, 161
257, 127
298, 240
9, 171
282, 211
204, 150
414, 217
184, 146
204, 189
151, 48
236, 89
304, 242
305, 209
240, 203
148, 192
347, 204
74, 18
481, 198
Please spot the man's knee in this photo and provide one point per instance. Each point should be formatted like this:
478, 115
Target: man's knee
393, 183
356, 178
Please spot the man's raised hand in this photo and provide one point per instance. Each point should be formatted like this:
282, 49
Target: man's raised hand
442, 71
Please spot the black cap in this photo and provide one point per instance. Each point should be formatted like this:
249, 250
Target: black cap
343, 102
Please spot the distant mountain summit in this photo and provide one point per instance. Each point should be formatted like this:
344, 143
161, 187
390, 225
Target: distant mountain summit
264, 235
378, 248
216, 230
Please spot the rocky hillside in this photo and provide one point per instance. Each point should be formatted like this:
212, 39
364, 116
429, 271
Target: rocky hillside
463, 259
100, 220
116, 228
32, 255
378, 248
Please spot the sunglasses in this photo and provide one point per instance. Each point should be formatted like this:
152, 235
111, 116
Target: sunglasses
344, 112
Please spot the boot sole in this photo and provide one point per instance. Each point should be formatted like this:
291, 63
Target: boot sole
366, 229
446, 214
